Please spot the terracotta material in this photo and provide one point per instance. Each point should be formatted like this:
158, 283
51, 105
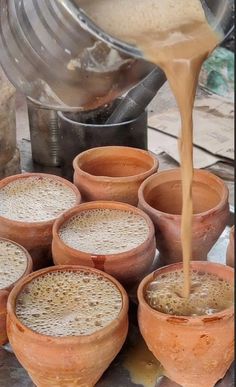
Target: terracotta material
4, 293
113, 173
194, 351
128, 267
3, 313
66, 361
230, 258
160, 196
36, 237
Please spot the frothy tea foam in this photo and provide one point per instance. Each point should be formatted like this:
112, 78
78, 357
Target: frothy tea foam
35, 199
209, 294
104, 231
68, 303
13, 263
142, 17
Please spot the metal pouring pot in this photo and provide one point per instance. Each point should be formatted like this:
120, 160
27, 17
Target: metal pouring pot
56, 62
61, 60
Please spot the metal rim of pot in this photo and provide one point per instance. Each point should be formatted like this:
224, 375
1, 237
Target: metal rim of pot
63, 116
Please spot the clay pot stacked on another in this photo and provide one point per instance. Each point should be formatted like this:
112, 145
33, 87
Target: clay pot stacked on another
4, 292
194, 351
128, 267
113, 173
230, 254
160, 196
35, 236
66, 360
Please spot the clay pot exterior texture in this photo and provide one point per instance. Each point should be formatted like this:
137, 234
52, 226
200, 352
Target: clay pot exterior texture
113, 173
230, 254
4, 293
36, 237
66, 361
160, 196
128, 267
194, 351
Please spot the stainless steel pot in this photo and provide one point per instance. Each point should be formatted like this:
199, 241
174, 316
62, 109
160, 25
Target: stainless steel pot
58, 64
61, 60
44, 135
81, 131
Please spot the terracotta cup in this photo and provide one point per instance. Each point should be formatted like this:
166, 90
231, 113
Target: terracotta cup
66, 361
36, 237
230, 249
194, 351
113, 173
4, 293
160, 196
128, 267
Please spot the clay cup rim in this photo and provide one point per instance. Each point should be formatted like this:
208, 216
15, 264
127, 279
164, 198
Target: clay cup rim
66, 340
65, 217
138, 153
208, 267
176, 172
22, 224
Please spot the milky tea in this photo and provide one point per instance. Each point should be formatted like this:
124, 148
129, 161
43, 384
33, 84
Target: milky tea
35, 199
104, 231
13, 263
68, 303
209, 294
176, 36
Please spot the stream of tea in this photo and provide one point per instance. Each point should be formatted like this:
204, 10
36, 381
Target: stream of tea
176, 36
182, 62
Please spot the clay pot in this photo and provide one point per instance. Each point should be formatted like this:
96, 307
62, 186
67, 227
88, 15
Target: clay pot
194, 351
160, 196
113, 173
128, 267
230, 249
4, 293
36, 237
66, 361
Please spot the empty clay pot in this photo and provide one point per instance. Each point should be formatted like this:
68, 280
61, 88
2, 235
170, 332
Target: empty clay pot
230, 249
128, 267
71, 360
4, 293
113, 173
194, 351
160, 196
36, 237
